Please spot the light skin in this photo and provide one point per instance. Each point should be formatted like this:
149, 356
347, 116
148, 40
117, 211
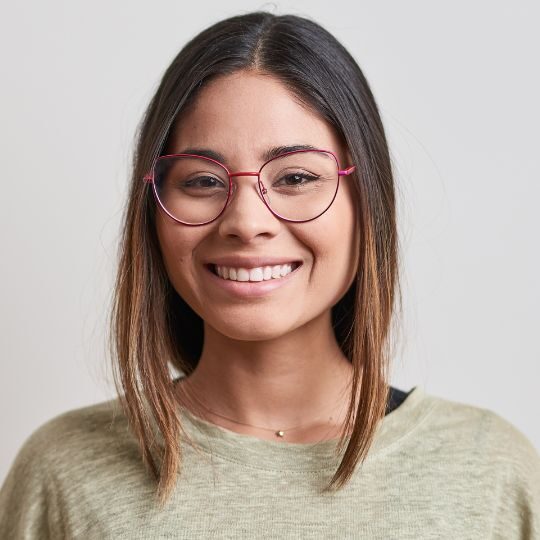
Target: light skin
271, 360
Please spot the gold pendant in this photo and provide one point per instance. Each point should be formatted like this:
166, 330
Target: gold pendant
280, 433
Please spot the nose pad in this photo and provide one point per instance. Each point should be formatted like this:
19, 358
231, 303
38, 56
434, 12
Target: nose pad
261, 191
246, 219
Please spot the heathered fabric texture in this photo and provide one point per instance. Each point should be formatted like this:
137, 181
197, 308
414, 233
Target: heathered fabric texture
438, 469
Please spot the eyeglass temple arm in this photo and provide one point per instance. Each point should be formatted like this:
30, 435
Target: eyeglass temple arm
148, 178
347, 171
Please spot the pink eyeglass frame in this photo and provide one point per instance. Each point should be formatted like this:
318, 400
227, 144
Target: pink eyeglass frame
149, 179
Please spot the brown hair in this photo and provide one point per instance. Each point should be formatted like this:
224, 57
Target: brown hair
153, 329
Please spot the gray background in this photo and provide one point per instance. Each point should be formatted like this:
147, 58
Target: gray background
457, 84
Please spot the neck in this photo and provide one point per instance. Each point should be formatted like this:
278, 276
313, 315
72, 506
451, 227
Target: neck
300, 379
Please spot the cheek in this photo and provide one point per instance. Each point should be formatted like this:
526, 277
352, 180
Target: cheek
334, 242
176, 243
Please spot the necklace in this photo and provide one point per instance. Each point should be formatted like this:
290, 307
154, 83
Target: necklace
280, 433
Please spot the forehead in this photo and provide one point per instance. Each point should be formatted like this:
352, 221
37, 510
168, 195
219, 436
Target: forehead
241, 116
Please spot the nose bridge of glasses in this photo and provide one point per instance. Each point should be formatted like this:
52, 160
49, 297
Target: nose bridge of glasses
248, 173
244, 173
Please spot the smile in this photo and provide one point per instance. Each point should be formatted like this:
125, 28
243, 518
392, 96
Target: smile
260, 273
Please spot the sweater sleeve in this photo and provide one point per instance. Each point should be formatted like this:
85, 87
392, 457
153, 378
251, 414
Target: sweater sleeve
518, 514
28, 503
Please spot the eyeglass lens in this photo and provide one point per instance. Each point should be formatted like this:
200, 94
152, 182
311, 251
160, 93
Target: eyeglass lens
298, 186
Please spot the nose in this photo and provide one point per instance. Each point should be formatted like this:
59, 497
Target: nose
247, 216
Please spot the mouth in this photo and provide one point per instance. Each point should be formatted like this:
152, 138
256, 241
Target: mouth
260, 273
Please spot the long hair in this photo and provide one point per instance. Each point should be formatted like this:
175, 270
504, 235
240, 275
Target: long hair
151, 327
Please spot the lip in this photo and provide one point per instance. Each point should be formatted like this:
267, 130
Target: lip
251, 262
250, 289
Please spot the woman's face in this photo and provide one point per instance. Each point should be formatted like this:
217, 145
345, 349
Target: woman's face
241, 116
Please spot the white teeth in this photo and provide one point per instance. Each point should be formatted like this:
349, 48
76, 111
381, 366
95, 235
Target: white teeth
261, 273
242, 274
256, 274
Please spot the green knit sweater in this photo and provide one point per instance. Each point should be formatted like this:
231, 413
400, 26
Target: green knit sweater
438, 469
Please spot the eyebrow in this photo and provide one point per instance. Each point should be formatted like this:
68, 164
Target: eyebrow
268, 154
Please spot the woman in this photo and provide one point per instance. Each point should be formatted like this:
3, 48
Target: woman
259, 259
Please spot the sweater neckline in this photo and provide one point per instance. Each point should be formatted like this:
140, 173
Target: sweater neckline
262, 454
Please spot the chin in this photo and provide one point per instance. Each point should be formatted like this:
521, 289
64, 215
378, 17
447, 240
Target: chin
254, 328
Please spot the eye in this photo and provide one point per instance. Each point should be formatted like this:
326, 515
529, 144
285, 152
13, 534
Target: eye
203, 182
296, 179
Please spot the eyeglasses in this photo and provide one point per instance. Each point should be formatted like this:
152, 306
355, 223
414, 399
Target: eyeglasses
295, 186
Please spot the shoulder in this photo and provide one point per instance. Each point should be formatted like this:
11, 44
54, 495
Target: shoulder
488, 454
469, 438
473, 460
58, 462
478, 427
79, 430
76, 441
